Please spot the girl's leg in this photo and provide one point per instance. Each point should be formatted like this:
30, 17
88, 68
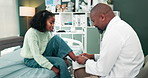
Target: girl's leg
57, 47
31, 63
60, 64
72, 56
56, 61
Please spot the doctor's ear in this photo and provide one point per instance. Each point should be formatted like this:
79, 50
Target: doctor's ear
102, 17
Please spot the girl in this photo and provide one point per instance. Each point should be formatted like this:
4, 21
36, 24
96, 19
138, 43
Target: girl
40, 49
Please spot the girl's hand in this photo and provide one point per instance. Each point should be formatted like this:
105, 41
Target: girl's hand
89, 56
56, 70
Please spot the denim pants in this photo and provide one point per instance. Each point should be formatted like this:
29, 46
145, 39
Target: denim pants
55, 51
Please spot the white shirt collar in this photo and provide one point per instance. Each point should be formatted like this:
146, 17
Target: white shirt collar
115, 19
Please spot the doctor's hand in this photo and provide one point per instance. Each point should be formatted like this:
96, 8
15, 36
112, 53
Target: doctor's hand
89, 56
81, 59
56, 70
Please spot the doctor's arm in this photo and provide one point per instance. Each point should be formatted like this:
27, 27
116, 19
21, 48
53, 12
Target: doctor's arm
109, 52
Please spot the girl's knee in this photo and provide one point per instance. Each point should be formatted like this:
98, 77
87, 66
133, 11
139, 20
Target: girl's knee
56, 37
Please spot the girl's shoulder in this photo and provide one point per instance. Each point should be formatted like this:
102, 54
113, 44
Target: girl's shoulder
31, 32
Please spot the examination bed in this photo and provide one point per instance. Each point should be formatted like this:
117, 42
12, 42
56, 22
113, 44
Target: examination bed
12, 65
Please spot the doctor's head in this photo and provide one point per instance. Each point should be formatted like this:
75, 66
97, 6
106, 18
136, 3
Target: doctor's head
43, 21
100, 15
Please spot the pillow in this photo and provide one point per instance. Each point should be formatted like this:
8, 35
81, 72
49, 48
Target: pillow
9, 50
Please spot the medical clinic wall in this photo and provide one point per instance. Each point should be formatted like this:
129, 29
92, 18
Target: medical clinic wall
38, 4
8, 18
132, 11
135, 12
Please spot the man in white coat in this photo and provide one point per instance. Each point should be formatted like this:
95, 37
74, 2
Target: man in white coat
121, 55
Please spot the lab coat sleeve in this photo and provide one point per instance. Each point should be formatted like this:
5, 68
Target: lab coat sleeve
109, 52
96, 57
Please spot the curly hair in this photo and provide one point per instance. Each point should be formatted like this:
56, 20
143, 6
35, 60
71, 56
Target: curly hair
39, 20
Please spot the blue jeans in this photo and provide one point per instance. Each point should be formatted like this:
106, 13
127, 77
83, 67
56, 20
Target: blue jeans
55, 51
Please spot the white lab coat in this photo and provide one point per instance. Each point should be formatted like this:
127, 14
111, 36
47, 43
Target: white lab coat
121, 55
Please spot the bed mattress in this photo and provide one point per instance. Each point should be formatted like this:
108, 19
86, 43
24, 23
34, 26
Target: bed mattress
12, 66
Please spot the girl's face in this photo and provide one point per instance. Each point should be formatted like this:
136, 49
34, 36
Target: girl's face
50, 23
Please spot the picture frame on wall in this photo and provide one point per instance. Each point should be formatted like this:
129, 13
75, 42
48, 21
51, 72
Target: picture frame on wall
52, 2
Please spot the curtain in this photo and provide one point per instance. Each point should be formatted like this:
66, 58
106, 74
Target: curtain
9, 25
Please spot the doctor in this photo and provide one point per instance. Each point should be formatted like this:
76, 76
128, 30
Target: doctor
121, 55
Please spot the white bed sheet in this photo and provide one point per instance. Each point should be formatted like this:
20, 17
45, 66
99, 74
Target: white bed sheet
12, 66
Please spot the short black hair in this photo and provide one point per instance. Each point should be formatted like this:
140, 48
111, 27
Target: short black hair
39, 20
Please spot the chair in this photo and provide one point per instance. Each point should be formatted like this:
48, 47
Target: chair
144, 70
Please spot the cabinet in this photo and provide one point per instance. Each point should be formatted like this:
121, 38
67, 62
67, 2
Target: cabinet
72, 25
